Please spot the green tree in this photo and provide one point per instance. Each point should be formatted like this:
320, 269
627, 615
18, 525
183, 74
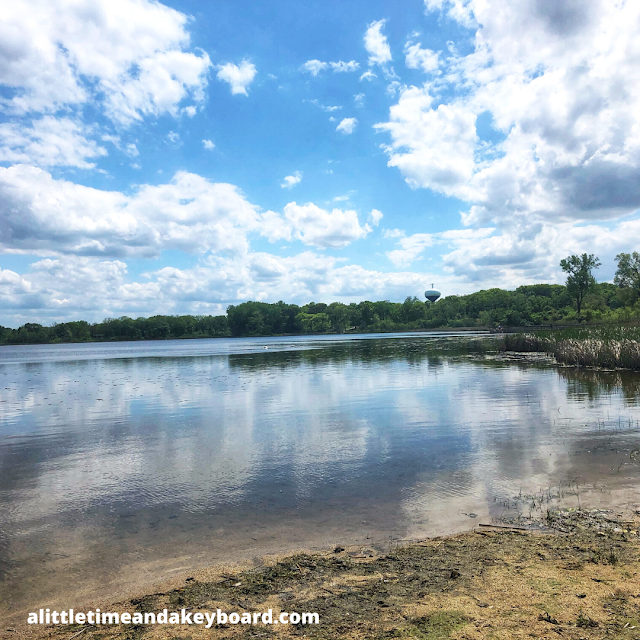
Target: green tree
314, 322
580, 277
628, 275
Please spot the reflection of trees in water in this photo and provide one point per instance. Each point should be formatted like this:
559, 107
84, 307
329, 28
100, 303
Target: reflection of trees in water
410, 350
594, 384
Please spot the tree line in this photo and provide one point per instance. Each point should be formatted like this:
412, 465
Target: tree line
581, 299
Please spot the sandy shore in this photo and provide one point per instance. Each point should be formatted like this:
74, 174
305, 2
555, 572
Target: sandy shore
579, 577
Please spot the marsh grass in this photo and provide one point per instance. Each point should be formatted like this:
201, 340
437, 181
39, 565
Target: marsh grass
609, 347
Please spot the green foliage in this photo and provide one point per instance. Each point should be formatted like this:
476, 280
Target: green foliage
627, 276
154, 328
533, 305
580, 277
314, 322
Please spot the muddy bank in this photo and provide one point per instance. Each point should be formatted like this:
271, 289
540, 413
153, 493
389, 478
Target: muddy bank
573, 574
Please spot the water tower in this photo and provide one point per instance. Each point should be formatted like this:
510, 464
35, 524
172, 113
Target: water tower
432, 294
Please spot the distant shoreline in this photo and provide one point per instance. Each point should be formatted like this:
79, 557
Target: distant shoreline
481, 330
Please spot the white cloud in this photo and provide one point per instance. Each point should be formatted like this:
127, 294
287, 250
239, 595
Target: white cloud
129, 54
358, 98
189, 111
49, 142
48, 216
208, 145
173, 137
459, 10
393, 88
376, 44
320, 228
411, 248
375, 217
345, 67
368, 75
347, 125
314, 67
52, 217
559, 84
131, 150
238, 77
327, 108
418, 58
434, 148
291, 181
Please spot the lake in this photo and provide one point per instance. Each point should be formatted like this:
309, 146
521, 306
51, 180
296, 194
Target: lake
124, 464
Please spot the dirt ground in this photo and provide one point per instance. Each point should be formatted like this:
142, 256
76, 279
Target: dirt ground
577, 576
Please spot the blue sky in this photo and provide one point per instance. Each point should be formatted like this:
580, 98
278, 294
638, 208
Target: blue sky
181, 157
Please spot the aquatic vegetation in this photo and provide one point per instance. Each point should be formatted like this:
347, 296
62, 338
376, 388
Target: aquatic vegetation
609, 347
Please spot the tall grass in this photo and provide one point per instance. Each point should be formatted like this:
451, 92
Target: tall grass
609, 347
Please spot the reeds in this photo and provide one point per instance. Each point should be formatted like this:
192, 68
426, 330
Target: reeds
606, 347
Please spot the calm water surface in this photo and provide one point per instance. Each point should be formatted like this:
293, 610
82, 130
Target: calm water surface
123, 464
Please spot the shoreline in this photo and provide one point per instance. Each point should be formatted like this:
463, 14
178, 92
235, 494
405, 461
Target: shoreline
576, 575
354, 334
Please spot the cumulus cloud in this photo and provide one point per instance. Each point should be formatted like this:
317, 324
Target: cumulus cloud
410, 249
130, 56
42, 214
324, 229
50, 142
375, 217
459, 10
434, 148
418, 58
347, 125
238, 77
375, 42
314, 67
345, 67
558, 83
292, 180
208, 145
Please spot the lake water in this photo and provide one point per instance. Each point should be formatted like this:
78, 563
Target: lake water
124, 464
